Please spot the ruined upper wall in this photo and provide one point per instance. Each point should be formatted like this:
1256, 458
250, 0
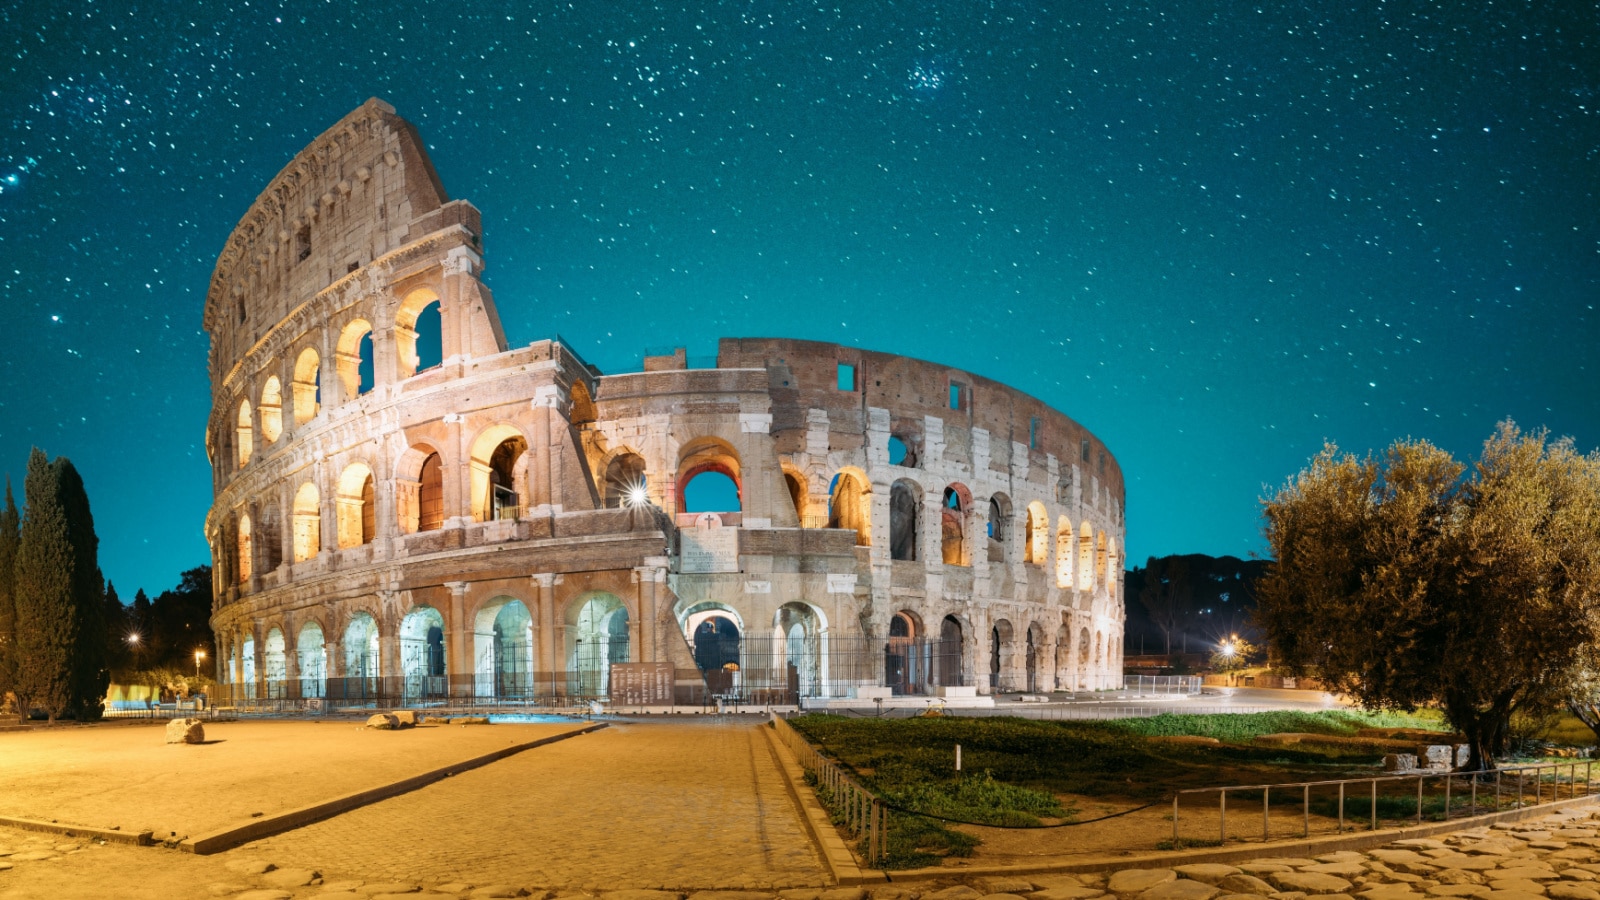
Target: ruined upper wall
361, 189
805, 376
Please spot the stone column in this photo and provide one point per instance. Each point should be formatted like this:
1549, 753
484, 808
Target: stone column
458, 667
545, 663
258, 646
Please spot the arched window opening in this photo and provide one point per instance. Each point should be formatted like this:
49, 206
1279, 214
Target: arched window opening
275, 663
306, 389
797, 495
1063, 554
900, 453
581, 410
1083, 658
307, 522
1100, 558
903, 666
503, 650
801, 631
1002, 657
1038, 534
245, 554
952, 527
625, 484
1086, 558
357, 519
1030, 661
430, 338
245, 435
430, 495
1113, 569
503, 500
422, 663
271, 410
247, 665
355, 358
948, 655
904, 499
849, 507
269, 538
312, 657
418, 333
361, 655
711, 490
998, 527
597, 638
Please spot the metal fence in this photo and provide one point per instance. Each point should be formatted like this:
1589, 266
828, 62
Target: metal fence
1452, 794
1155, 685
854, 808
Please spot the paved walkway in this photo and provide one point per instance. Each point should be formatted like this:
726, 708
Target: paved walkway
681, 804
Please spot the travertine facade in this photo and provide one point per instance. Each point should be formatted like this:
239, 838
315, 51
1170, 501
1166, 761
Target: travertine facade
407, 508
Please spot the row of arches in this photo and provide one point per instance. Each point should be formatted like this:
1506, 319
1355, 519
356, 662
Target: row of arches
419, 346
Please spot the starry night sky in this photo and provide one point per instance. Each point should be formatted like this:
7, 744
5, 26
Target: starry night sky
1214, 233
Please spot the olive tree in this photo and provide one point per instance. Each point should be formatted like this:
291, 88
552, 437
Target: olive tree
1409, 578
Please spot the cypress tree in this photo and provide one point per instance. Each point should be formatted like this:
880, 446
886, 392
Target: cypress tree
46, 616
90, 673
9, 521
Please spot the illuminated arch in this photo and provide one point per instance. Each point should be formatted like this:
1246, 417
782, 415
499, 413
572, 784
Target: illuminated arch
954, 511
307, 522
503, 649
419, 489
312, 655
245, 566
306, 388
409, 353
1064, 553
850, 505
708, 454
497, 472
1100, 558
271, 410
1086, 558
355, 349
355, 513
245, 434
626, 483
1037, 527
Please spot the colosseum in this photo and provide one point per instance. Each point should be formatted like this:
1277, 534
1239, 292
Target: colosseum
411, 511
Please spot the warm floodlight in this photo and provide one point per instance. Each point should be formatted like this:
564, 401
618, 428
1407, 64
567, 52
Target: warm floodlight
1228, 649
133, 638
635, 496
198, 655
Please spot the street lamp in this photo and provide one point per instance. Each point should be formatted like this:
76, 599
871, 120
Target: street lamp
133, 644
198, 655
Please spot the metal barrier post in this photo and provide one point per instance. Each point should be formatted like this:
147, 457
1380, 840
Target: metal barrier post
1175, 820
1222, 815
1374, 804
1419, 799
1449, 777
1266, 822
1305, 807
1341, 807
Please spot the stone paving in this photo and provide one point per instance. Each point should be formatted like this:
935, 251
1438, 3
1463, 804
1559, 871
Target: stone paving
688, 804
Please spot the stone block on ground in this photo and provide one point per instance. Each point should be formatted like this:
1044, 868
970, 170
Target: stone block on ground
1399, 762
383, 722
1457, 876
1245, 884
1137, 881
186, 731
1309, 882
471, 720
1181, 889
289, 878
1210, 873
406, 718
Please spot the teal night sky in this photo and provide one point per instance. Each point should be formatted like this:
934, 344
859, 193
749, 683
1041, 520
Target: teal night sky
1214, 233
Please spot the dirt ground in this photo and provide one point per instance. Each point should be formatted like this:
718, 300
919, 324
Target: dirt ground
128, 777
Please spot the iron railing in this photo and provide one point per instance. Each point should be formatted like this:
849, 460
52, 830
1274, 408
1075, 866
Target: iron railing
857, 810
1445, 791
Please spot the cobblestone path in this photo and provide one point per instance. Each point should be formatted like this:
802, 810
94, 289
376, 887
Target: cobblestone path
682, 804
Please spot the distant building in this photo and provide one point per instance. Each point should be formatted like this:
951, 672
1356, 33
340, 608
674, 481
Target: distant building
409, 510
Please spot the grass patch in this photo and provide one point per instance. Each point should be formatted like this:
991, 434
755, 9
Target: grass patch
1242, 728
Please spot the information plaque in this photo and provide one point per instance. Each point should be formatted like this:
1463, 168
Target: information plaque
641, 684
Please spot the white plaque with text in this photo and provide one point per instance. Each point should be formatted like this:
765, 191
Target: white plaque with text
841, 584
708, 547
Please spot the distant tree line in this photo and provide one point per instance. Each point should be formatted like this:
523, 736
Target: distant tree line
1190, 603
149, 637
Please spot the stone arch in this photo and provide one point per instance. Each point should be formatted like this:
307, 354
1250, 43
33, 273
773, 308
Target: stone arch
355, 352
1113, 567
362, 655
800, 631
950, 657
850, 505
1002, 653
274, 662
307, 522
597, 637
1101, 557
1063, 661
422, 657
626, 484
953, 514
409, 353
905, 502
247, 664
1036, 528
1083, 657
1064, 551
306, 388
503, 649
244, 434
904, 446
1033, 665
311, 654
904, 651
271, 410
998, 528
245, 558
355, 507
580, 407
269, 536
795, 482
703, 455
1086, 558
419, 489
498, 472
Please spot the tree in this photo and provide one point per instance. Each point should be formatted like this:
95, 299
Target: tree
1167, 596
1405, 579
9, 524
90, 673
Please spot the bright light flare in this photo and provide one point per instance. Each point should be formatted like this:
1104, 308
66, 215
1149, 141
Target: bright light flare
635, 496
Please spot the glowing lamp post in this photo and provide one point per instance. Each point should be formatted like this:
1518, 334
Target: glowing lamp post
133, 644
198, 655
